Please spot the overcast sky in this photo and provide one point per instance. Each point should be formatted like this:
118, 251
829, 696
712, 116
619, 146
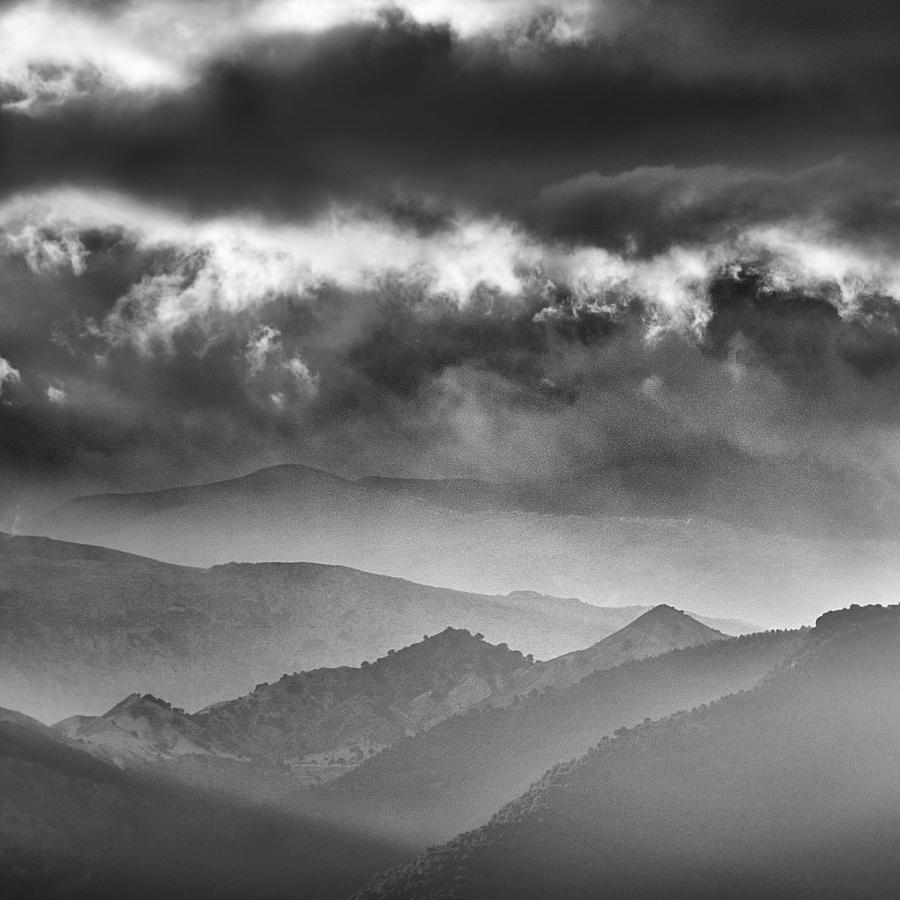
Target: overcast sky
488, 238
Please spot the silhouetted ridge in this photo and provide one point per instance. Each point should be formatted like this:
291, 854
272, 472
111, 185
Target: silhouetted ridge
855, 615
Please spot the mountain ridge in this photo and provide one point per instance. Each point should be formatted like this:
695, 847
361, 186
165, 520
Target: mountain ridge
628, 556
455, 775
200, 635
725, 799
321, 723
659, 630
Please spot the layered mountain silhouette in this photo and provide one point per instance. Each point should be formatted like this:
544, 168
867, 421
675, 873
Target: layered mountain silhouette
74, 826
82, 626
494, 539
455, 775
786, 787
320, 724
788, 790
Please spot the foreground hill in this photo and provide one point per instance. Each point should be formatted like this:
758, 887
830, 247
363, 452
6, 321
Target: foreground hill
318, 723
492, 539
74, 826
82, 626
790, 790
455, 775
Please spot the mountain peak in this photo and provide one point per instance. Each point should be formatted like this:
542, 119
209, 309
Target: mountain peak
329, 719
663, 613
659, 630
135, 704
452, 648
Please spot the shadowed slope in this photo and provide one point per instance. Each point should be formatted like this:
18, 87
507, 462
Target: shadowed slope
454, 776
790, 790
72, 825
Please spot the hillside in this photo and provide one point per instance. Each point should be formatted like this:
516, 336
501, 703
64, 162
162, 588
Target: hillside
432, 786
493, 539
138, 730
789, 790
74, 826
83, 626
319, 723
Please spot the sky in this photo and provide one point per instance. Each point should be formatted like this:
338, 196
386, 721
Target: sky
494, 239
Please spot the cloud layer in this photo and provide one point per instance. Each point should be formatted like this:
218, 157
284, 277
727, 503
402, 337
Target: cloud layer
499, 239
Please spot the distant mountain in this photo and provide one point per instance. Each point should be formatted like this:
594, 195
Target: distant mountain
82, 626
598, 543
455, 775
657, 631
319, 723
74, 826
789, 790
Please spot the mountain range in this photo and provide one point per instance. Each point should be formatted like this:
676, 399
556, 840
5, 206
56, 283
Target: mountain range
318, 723
82, 626
322, 723
760, 765
455, 775
494, 539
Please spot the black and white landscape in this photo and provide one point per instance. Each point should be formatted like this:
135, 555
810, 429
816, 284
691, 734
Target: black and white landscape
449, 450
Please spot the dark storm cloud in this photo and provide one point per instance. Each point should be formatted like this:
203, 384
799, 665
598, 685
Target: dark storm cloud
290, 121
400, 379
647, 209
662, 232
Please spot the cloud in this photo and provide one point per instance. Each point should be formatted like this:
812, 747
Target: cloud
301, 371
195, 271
62, 51
265, 355
58, 52
7, 374
641, 238
286, 122
261, 343
649, 208
57, 395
